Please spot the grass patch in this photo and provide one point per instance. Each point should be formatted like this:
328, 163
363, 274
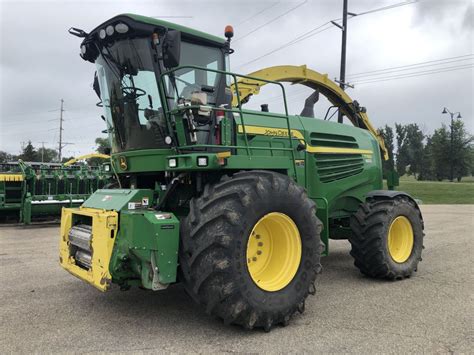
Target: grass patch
434, 192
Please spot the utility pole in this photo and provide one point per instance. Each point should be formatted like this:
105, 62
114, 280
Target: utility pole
342, 73
451, 151
61, 143
61, 129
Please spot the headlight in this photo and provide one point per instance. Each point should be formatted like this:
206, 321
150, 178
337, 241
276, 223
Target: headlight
202, 161
121, 28
172, 163
83, 49
109, 30
107, 167
102, 34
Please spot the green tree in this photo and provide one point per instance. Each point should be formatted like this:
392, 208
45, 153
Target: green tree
403, 158
427, 170
440, 152
29, 153
415, 149
102, 147
47, 155
461, 151
471, 172
410, 149
388, 137
66, 159
4, 156
452, 151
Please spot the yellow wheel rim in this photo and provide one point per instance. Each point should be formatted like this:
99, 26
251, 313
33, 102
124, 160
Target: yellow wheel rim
400, 239
274, 251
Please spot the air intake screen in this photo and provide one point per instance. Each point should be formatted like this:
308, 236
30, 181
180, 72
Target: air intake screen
332, 140
332, 167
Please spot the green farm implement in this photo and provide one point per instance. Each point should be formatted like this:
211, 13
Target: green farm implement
235, 203
36, 191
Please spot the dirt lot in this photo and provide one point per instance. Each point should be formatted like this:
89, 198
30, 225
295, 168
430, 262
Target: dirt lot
44, 309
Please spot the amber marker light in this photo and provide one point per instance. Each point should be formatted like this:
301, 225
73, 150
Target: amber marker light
229, 32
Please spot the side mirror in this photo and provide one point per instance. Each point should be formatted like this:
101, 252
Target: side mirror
95, 85
171, 48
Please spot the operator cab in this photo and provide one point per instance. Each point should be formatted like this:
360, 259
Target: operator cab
133, 57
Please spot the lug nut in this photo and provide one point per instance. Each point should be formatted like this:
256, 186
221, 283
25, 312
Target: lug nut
260, 244
254, 259
259, 252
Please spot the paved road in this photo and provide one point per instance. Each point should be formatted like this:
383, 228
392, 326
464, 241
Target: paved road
44, 309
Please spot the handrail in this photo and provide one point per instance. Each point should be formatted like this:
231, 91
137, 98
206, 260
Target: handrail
238, 110
313, 79
234, 146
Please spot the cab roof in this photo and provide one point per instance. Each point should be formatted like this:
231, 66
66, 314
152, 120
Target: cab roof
188, 32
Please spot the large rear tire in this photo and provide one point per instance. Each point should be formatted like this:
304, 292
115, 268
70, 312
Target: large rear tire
250, 249
387, 238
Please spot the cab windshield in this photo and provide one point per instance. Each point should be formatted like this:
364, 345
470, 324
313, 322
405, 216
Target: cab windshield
130, 95
188, 82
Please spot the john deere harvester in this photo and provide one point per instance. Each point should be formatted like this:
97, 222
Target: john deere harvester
237, 204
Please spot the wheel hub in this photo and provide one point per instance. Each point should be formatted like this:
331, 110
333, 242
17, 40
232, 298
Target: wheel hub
273, 251
400, 239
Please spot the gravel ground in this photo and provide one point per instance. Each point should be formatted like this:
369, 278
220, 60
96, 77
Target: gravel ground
44, 309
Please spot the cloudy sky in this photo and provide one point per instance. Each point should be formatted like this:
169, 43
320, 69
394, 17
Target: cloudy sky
426, 49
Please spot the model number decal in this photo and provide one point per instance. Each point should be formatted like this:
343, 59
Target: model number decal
167, 226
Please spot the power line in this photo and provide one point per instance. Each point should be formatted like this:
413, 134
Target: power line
29, 113
23, 123
415, 74
389, 7
28, 131
44, 112
258, 13
300, 38
272, 20
30, 121
416, 65
36, 120
300, 92
321, 28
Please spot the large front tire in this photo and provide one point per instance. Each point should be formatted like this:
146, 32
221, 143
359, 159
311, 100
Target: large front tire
250, 249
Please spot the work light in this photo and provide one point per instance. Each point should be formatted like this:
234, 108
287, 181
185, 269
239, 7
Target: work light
172, 163
202, 161
121, 28
109, 30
